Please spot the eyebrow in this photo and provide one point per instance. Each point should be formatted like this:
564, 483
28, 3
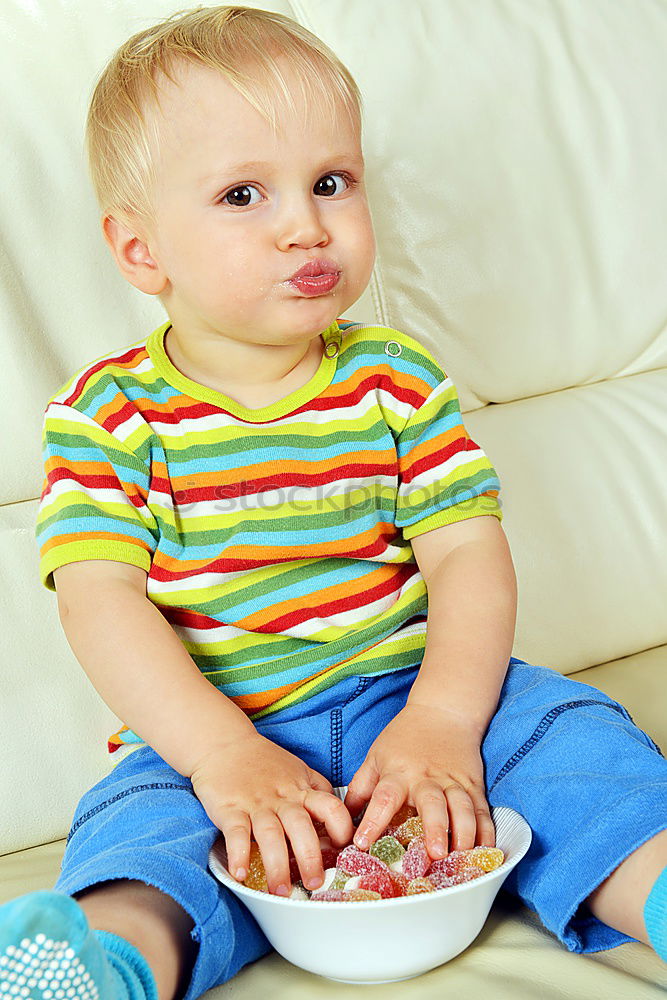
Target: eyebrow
252, 165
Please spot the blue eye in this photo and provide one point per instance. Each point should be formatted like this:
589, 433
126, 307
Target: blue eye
240, 196
329, 186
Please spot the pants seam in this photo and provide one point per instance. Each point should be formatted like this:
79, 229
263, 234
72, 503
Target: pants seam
336, 747
337, 732
543, 727
121, 795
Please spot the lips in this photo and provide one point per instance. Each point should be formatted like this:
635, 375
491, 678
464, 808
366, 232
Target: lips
317, 277
314, 269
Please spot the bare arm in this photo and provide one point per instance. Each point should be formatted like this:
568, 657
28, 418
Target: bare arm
247, 784
431, 750
140, 667
472, 603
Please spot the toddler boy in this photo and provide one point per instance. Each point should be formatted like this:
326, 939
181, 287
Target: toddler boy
278, 554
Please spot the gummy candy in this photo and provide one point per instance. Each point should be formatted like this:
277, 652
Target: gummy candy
330, 857
466, 875
357, 862
442, 881
439, 880
359, 895
387, 870
455, 861
380, 882
328, 895
256, 877
416, 861
401, 882
405, 812
488, 858
420, 884
411, 828
387, 849
340, 878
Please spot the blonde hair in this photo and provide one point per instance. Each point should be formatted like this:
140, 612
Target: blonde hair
240, 42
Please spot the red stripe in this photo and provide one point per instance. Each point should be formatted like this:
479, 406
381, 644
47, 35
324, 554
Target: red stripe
435, 458
128, 359
323, 610
242, 565
96, 482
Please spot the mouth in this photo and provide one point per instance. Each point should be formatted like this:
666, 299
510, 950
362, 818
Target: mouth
317, 277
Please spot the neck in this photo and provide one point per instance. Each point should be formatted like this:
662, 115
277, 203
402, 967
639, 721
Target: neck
232, 363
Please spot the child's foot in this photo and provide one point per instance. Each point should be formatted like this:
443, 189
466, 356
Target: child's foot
49, 952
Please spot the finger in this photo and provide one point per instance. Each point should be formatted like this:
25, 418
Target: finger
270, 836
236, 831
361, 788
332, 812
486, 831
305, 843
463, 822
431, 805
319, 782
387, 799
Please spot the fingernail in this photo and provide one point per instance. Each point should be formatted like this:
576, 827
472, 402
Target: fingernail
314, 883
362, 841
282, 890
240, 874
438, 847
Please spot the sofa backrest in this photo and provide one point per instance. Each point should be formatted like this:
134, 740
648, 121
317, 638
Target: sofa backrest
516, 175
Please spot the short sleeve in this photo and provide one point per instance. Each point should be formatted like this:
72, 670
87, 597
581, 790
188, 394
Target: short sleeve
444, 476
94, 498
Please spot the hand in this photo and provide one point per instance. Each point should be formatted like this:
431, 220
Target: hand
430, 758
253, 786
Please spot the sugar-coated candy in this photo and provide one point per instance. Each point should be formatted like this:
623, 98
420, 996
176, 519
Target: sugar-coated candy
380, 882
359, 895
357, 862
387, 849
411, 828
405, 812
328, 896
387, 871
340, 879
330, 856
256, 877
467, 875
439, 880
455, 861
420, 884
442, 881
416, 861
299, 891
488, 858
401, 882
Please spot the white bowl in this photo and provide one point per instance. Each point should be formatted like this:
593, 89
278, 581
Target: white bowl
381, 941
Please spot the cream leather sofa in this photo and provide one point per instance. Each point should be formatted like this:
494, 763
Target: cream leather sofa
516, 172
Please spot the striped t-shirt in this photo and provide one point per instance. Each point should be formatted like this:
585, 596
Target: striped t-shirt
276, 540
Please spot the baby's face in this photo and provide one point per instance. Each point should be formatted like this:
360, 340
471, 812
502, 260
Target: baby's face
239, 210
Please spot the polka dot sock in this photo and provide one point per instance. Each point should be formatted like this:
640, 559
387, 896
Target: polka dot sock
655, 915
49, 952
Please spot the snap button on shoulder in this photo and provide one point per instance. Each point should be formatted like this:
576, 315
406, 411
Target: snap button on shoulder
331, 349
393, 349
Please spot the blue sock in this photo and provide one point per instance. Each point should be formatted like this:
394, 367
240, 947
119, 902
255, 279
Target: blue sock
655, 915
48, 949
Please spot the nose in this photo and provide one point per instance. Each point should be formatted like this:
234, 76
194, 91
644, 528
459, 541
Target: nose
300, 224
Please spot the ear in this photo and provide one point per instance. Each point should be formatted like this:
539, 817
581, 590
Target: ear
133, 257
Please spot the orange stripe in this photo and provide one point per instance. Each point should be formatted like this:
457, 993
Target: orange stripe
349, 588
271, 552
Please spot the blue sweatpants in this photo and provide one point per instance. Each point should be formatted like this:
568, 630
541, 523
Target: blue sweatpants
569, 759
